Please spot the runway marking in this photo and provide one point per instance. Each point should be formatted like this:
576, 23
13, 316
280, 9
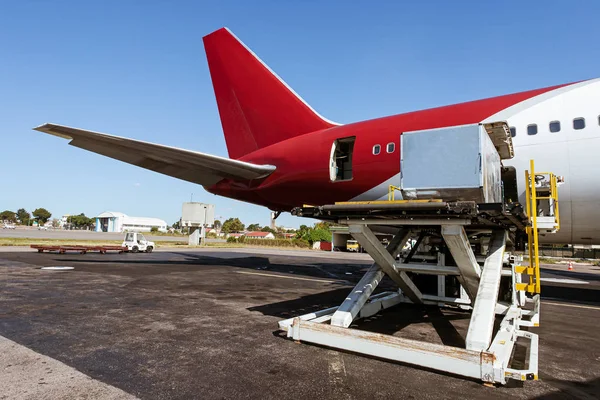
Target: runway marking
290, 277
561, 280
337, 373
571, 305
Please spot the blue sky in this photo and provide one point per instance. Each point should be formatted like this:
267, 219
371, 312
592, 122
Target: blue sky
137, 69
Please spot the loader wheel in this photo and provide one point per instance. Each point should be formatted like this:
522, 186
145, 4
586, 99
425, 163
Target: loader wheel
135, 249
149, 249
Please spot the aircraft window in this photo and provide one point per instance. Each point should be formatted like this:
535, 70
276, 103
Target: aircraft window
391, 147
532, 129
579, 123
376, 149
340, 164
555, 126
513, 131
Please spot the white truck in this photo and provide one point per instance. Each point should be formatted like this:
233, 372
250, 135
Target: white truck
136, 242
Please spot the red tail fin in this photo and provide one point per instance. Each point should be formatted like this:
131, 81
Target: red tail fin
257, 108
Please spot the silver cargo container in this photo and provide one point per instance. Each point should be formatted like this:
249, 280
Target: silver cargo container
452, 164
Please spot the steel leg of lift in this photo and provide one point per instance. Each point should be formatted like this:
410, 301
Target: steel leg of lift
458, 243
355, 301
481, 326
367, 239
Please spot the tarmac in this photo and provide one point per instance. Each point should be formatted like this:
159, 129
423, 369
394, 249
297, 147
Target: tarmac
34, 233
203, 324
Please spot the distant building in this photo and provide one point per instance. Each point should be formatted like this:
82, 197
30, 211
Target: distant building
110, 221
259, 235
235, 235
289, 235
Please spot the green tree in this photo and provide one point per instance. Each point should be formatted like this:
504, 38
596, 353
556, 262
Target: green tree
154, 229
323, 225
55, 223
9, 216
232, 225
254, 227
41, 215
23, 216
81, 221
315, 234
319, 235
268, 229
217, 225
301, 233
176, 225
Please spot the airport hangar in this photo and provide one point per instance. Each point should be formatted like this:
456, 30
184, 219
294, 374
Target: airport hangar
110, 221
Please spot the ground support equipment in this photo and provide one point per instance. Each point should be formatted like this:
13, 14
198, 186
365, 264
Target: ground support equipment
471, 242
78, 249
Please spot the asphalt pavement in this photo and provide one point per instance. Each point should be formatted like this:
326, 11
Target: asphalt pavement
203, 324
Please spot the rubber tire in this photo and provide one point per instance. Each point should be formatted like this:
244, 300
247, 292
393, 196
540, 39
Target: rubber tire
149, 249
135, 249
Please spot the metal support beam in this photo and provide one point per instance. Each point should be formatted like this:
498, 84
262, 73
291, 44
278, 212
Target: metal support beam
429, 355
429, 269
375, 304
407, 221
367, 239
458, 243
355, 301
415, 247
481, 326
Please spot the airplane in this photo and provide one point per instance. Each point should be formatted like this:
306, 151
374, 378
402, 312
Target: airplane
283, 154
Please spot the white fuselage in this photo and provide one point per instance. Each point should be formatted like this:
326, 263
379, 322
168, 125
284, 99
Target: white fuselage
569, 152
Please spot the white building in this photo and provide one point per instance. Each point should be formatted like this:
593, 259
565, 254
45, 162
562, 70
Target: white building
110, 221
259, 235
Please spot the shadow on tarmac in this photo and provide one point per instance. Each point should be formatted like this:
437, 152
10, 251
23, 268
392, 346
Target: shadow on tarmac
571, 389
313, 267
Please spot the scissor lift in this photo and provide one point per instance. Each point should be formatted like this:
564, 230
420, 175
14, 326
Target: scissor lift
475, 244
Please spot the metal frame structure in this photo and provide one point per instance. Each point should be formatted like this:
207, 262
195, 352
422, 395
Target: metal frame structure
490, 282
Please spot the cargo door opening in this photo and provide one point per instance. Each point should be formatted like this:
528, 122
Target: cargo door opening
340, 164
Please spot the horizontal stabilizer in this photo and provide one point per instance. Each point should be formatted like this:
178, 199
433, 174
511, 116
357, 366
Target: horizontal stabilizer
191, 166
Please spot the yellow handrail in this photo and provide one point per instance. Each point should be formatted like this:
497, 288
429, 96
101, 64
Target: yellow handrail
533, 216
391, 192
532, 198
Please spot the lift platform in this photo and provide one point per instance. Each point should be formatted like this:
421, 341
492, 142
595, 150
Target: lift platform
465, 255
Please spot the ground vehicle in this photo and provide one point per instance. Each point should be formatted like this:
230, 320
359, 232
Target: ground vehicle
136, 242
352, 245
8, 226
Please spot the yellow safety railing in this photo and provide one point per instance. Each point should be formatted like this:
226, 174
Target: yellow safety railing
391, 192
553, 195
532, 231
532, 198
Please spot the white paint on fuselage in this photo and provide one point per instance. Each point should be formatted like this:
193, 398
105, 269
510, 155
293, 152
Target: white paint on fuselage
570, 153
